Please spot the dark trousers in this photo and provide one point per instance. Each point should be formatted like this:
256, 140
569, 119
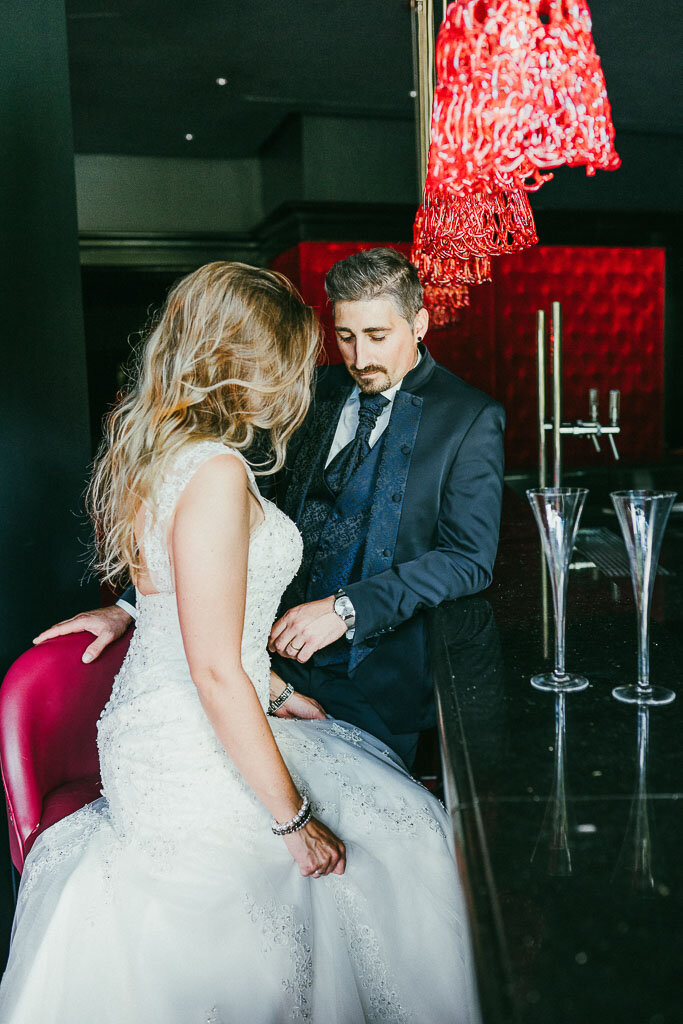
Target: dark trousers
334, 688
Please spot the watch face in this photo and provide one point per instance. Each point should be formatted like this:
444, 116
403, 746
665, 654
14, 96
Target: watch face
345, 610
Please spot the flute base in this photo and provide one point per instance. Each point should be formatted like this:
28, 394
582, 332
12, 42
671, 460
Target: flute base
567, 683
634, 694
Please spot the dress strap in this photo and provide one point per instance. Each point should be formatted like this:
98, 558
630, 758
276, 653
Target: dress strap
186, 463
251, 478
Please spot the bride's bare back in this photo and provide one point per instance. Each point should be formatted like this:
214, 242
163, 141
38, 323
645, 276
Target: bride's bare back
142, 579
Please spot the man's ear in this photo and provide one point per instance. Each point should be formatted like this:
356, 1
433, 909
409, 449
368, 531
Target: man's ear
421, 325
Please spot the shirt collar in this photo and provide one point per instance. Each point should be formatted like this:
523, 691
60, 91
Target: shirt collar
390, 393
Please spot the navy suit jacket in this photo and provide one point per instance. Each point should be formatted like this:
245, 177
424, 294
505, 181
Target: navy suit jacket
433, 531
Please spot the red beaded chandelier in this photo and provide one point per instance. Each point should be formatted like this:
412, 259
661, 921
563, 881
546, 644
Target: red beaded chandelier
519, 90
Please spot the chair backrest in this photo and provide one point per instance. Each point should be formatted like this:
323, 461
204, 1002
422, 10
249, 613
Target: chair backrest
50, 702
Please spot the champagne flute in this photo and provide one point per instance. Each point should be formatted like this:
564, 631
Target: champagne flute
557, 511
643, 516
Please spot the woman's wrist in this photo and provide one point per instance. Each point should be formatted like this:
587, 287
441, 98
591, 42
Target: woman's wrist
277, 702
277, 685
296, 822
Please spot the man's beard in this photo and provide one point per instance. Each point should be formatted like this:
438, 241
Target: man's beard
382, 382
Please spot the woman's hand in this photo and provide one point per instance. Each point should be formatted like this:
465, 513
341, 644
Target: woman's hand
316, 850
298, 706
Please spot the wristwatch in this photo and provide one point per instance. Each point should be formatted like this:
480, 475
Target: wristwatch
345, 610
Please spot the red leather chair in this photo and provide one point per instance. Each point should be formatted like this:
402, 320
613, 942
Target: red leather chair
49, 706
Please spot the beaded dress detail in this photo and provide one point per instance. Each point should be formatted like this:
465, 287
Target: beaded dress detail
169, 901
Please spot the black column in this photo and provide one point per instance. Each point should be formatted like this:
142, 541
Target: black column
44, 431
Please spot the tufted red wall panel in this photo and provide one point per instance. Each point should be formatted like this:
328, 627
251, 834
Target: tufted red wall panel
613, 308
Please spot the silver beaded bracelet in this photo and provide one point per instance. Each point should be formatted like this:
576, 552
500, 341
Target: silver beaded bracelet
301, 818
279, 701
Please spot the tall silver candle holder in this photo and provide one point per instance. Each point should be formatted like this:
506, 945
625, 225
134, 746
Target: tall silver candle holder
643, 516
557, 511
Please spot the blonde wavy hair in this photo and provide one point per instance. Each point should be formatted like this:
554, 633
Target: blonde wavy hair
232, 354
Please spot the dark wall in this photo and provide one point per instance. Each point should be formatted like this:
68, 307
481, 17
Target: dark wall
335, 159
648, 180
119, 306
44, 429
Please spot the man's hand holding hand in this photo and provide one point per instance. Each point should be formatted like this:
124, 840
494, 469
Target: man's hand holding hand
106, 624
306, 629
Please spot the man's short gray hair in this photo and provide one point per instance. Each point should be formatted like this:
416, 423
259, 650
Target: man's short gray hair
373, 273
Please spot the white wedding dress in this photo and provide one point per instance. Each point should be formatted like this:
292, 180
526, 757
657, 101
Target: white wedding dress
169, 901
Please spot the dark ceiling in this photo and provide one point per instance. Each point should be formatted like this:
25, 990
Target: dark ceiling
144, 71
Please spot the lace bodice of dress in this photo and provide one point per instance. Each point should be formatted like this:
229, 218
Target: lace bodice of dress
275, 549
182, 469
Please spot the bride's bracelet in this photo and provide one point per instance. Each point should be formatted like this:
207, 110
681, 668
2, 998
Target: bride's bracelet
300, 819
279, 701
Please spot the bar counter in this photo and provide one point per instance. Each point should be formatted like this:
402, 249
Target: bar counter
567, 811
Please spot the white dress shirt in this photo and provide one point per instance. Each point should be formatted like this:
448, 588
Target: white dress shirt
348, 421
130, 608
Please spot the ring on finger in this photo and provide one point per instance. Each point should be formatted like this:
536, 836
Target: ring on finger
296, 649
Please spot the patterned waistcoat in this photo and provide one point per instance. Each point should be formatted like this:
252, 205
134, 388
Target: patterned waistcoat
334, 532
393, 453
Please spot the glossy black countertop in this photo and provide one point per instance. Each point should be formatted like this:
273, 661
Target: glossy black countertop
568, 812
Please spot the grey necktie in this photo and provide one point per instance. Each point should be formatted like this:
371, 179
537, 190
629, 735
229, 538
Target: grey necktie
346, 462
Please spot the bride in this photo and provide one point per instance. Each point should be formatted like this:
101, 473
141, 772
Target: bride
239, 868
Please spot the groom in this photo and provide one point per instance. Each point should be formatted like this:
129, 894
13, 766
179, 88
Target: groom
395, 483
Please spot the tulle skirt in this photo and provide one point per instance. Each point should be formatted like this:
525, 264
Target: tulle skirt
214, 924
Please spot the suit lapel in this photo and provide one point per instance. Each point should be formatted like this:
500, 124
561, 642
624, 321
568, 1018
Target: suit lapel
319, 434
392, 474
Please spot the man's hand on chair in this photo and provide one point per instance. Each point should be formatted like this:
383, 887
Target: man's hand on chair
106, 625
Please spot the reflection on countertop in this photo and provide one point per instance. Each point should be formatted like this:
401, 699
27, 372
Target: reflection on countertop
567, 810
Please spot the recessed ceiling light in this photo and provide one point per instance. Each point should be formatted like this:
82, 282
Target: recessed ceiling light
189, 137
221, 81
